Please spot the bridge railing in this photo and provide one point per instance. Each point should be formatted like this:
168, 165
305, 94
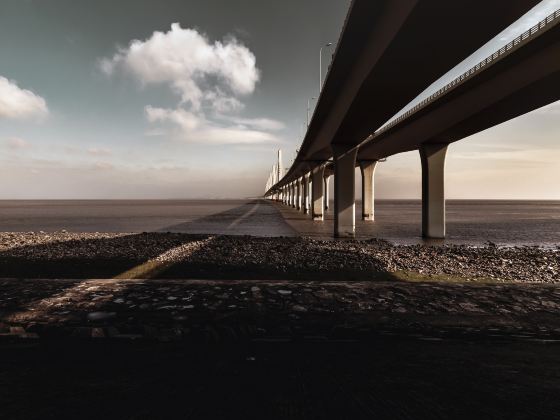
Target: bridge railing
522, 39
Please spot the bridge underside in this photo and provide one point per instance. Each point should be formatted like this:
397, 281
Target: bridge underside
388, 53
523, 78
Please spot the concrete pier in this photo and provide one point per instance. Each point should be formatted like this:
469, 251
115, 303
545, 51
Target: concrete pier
367, 168
317, 193
298, 194
305, 189
344, 194
432, 157
326, 180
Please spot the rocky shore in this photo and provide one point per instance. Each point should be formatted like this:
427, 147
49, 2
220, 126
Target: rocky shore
155, 324
174, 255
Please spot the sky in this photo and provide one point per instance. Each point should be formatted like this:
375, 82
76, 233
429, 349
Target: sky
191, 99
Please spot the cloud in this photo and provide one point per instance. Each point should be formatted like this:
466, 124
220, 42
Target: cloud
17, 103
256, 123
16, 143
209, 78
103, 166
195, 128
189, 63
99, 151
514, 156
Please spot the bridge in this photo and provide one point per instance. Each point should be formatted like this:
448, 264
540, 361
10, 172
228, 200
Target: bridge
381, 65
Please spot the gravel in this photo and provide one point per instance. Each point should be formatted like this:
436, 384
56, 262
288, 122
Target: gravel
286, 256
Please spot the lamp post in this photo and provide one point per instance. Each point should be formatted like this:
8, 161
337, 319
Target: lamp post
321, 66
308, 108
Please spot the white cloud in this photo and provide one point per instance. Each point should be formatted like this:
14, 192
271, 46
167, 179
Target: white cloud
209, 77
195, 128
16, 143
186, 60
221, 103
99, 151
528, 156
256, 123
103, 166
155, 132
17, 103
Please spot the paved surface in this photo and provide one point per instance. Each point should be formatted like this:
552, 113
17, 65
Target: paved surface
277, 350
177, 309
389, 378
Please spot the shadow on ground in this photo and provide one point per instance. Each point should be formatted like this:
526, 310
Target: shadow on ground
178, 255
155, 348
389, 378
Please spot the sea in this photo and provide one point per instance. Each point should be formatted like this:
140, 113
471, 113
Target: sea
471, 222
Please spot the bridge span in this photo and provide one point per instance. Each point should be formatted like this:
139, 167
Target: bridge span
347, 127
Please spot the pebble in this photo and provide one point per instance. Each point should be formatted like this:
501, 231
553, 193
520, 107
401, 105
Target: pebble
287, 257
100, 316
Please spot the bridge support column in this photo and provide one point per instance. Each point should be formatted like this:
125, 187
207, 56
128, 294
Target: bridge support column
367, 168
298, 194
344, 194
310, 194
306, 179
432, 157
326, 191
317, 193
291, 195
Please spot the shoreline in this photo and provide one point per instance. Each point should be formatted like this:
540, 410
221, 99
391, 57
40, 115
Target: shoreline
223, 257
273, 334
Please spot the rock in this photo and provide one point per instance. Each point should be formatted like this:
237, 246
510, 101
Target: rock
100, 316
17, 330
97, 333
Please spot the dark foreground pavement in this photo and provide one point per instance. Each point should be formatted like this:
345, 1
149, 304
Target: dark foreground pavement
383, 378
145, 349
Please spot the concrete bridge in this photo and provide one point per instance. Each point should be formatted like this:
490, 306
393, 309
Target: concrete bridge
386, 56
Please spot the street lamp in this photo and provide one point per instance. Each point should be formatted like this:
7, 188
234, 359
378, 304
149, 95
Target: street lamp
321, 65
308, 108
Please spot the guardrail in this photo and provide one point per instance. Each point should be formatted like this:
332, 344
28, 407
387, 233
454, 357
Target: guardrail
511, 46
